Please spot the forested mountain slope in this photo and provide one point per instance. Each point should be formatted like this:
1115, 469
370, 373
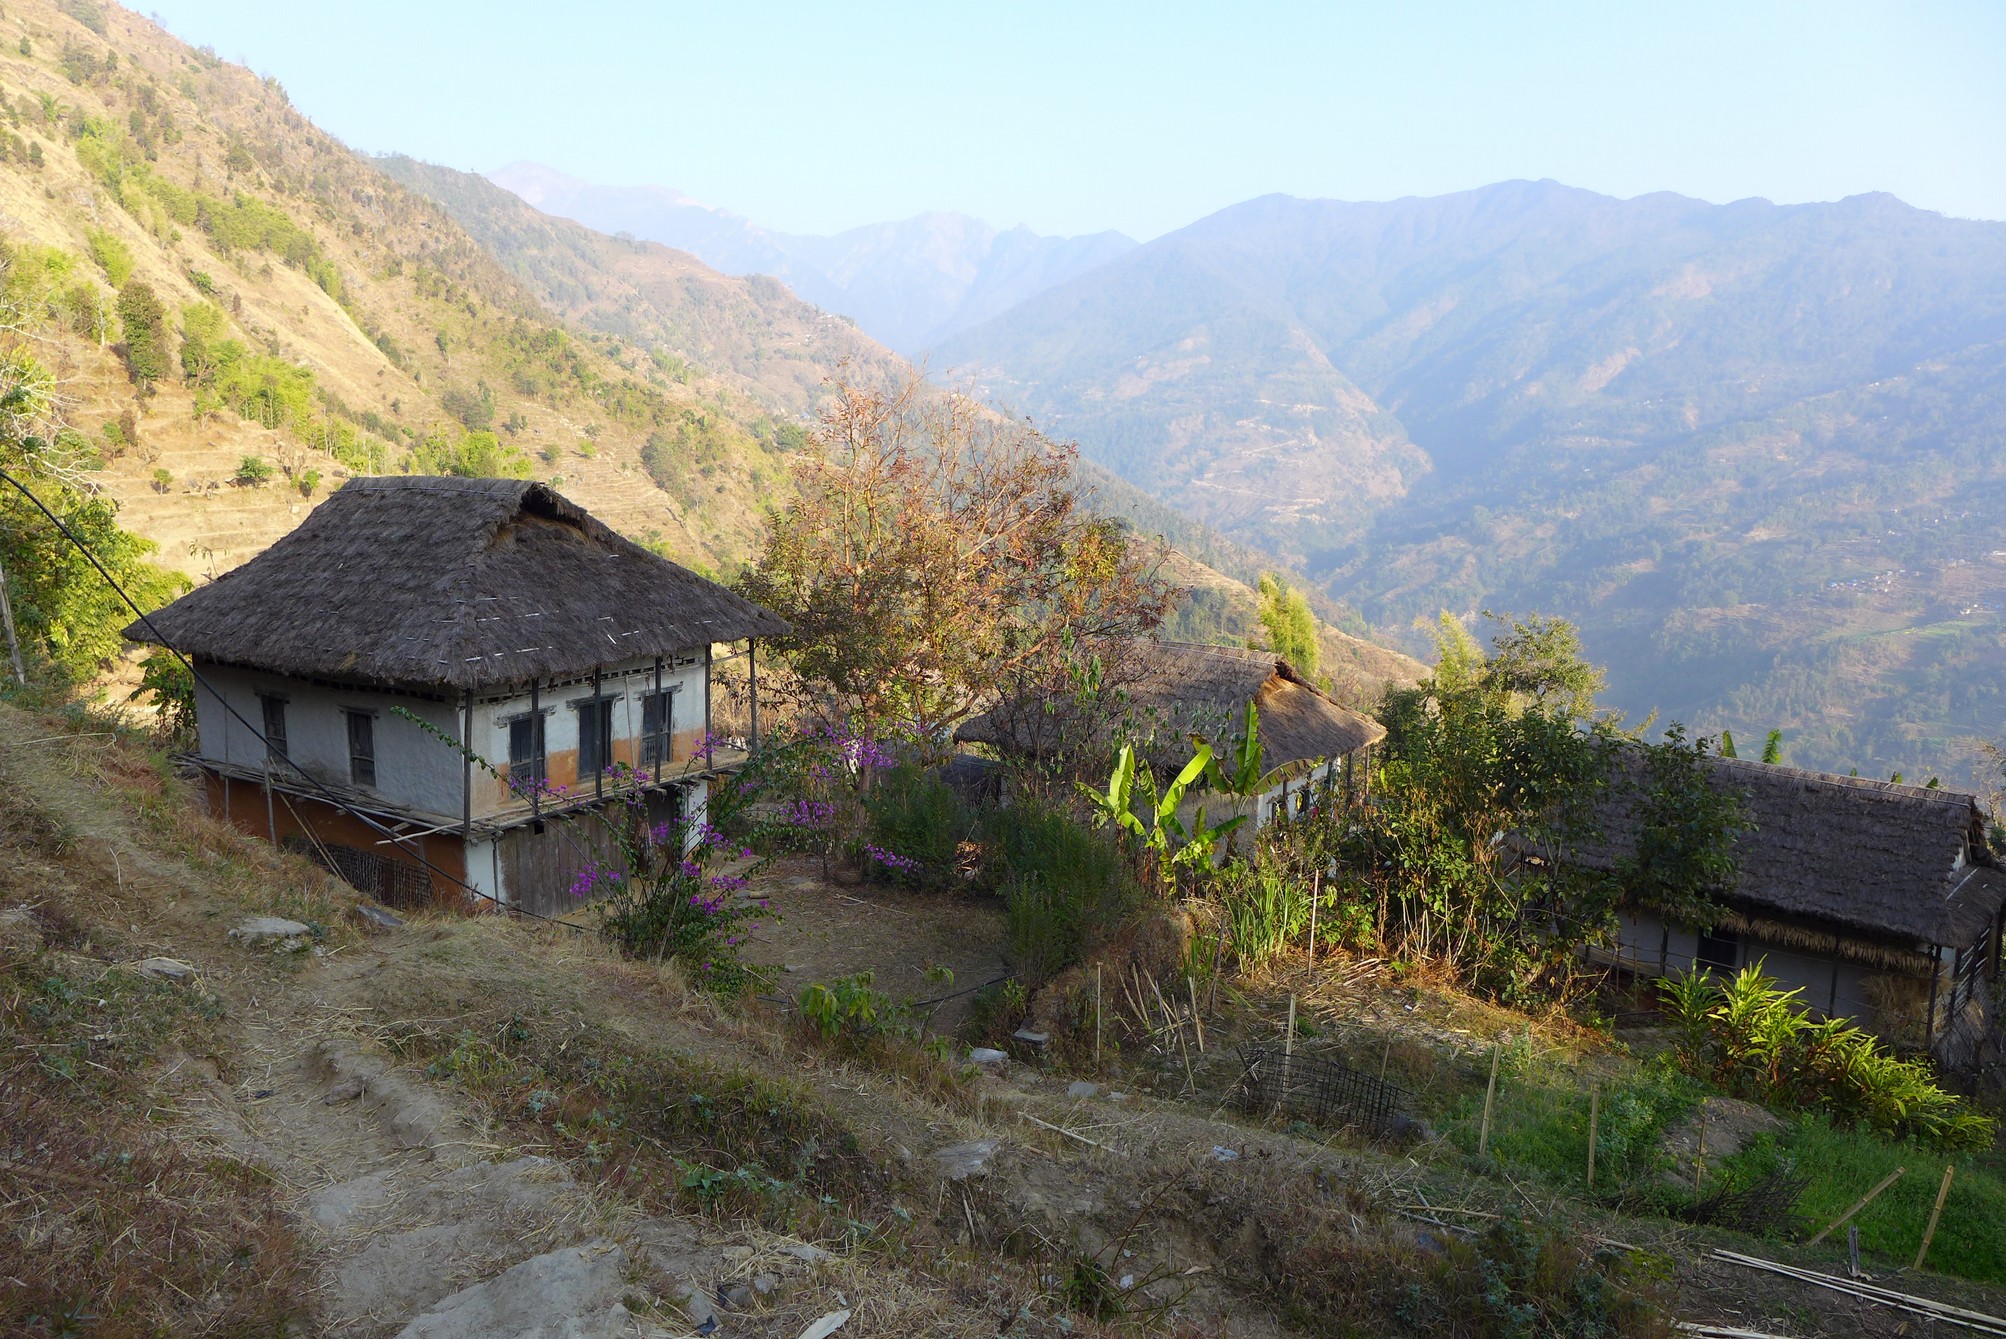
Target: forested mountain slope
1751, 448
779, 347
314, 315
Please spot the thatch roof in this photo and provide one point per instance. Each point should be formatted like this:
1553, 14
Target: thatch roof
1204, 690
1870, 856
458, 582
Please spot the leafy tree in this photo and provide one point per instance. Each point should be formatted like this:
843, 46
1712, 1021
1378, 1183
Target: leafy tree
473, 455
1490, 760
68, 617
938, 555
144, 322
1291, 627
1540, 659
1685, 845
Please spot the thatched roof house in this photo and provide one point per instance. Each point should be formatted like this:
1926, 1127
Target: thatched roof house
428, 680
1177, 690
451, 582
1874, 857
1187, 688
1838, 876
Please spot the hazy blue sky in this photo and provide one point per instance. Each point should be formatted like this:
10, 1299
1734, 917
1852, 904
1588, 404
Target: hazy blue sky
1076, 117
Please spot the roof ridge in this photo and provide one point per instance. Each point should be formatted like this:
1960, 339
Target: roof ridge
1891, 789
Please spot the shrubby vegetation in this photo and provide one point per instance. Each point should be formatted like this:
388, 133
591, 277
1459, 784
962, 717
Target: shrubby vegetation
68, 618
1749, 1036
937, 555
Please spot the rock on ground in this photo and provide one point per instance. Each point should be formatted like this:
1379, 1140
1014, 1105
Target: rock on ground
269, 929
569, 1294
1719, 1127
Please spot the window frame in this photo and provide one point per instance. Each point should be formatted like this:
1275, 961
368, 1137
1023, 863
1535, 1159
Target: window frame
272, 709
534, 767
658, 741
364, 761
599, 710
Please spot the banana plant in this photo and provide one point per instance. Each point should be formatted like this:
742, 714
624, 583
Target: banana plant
1165, 839
1247, 777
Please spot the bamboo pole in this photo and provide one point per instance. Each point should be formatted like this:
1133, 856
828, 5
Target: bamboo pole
1594, 1115
1935, 1213
1490, 1094
1097, 1018
1218, 957
1289, 1048
1858, 1205
1315, 896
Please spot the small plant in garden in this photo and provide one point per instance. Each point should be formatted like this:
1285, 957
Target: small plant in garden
850, 1007
1163, 842
253, 472
664, 891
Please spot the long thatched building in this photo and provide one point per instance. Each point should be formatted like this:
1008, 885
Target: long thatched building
1881, 901
463, 661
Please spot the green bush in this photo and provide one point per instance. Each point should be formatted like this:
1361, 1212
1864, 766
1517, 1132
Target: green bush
144, 323
1748, 1036
917, 817
253, 472
1066, 887
112, 256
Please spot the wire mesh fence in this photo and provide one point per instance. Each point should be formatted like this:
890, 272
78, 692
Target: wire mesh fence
1316, 1088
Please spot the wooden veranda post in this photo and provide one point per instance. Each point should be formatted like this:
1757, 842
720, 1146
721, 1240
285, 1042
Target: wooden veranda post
752, 677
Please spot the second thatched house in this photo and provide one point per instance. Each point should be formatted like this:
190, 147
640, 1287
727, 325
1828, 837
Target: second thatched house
1175, 691
1881, 901
431, 678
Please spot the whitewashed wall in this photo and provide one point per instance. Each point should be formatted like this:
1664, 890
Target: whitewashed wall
415, 769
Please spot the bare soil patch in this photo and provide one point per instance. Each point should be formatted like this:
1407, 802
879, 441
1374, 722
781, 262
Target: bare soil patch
824, 930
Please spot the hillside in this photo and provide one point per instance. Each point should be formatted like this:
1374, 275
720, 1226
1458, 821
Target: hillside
338, 323
1745, 446
355, 1127
910, 284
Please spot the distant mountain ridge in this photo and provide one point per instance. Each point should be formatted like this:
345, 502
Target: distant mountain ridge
1752, 448
908, 284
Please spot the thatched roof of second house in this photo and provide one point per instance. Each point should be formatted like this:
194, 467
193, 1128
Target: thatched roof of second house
455, 583
1204, 690
1874, 856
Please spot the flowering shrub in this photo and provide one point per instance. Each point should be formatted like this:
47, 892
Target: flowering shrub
821, 782
668, 893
